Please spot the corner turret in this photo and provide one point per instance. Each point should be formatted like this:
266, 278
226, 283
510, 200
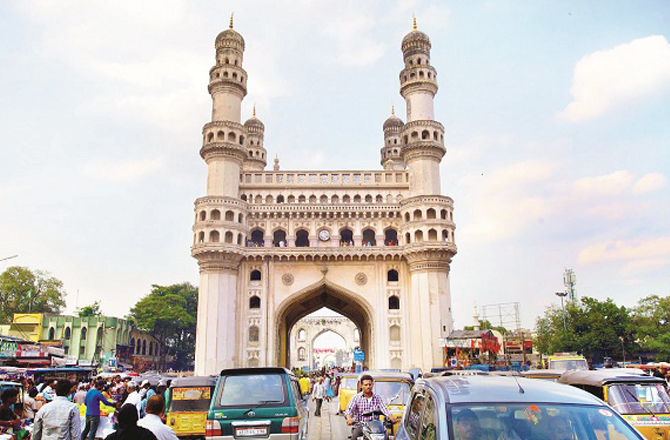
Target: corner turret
257, 155
391, 151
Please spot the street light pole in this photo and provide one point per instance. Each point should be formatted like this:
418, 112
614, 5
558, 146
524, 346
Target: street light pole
563, 295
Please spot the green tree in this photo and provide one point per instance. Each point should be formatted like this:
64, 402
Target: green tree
592, 327
92, 310
651, 326
26, 291
169, 314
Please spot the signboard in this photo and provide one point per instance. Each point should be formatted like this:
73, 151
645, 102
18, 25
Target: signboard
30, 351
359, 355
453, 362
200, 393
8, 349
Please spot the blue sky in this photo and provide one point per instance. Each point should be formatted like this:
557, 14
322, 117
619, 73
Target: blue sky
556, 117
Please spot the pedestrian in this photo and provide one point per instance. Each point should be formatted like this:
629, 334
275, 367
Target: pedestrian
127, 428
60, 419
152, 421
49, 391
8, 418
30, 405
318, 393
133, 396
92, 402
80, 395
305, 386
327, 388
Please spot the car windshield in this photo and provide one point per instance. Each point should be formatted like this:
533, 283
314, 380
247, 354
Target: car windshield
392, 392
536, 421
636, 398
568, 364
252, 390
190, 399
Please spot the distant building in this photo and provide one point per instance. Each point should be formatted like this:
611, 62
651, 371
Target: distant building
89, 340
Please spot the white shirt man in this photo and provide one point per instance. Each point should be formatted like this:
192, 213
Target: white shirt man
58, 420
133, 397
152, 421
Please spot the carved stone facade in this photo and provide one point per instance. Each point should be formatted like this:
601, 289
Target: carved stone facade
275, 246
307, 329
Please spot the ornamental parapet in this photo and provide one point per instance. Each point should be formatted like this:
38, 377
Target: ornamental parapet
212, 126
220, 201
422, 256
348, 253
418, 85
417, 201
423, 150
326, 179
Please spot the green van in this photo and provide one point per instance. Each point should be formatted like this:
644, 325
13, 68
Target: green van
257, 403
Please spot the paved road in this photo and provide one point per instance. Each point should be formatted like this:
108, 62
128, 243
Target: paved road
329, 426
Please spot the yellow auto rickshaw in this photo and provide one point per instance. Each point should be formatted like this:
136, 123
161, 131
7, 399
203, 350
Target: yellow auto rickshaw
188, 404
394, 389
348, 387
640, 399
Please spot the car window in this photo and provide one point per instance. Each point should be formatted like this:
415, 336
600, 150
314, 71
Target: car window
295, 389
536, 421
413, 419
252, 390
392, 392
429, 420
349, 383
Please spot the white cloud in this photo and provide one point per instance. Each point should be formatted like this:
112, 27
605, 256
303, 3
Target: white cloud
606, 80
636, 255
649, 183
603, 186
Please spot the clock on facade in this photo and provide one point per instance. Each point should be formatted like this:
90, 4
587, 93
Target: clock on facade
324, 235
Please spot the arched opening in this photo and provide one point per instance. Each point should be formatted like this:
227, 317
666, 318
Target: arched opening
68, 333
407, 216
279, 238
214, 237
391, 237
312, 199
280, 199
394, 303
443, 214
291, 199
257, 238
335, 200
203, 215
392, 275
98, 336
445, 235
215, 215
407, 238
52, 333
254, 302
151, 348
357, 199
230, 216
302, 354
255, 275
346, 237
369, 238
417, 214
368, 198
144, 347
83, 333
268, 200
240, 237
229, 237
418, 236
132, 346
302, 199
302, 334
432, 235
323, 199
329, 350
315, 297
430, 214
302, 238
201, 237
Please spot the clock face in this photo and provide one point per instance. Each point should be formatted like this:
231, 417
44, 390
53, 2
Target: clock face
324, 235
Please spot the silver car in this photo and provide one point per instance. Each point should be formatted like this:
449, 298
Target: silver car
507, 408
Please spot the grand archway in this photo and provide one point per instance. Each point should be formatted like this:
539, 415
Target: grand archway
315, 297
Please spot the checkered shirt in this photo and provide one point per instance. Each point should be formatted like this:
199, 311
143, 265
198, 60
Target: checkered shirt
359, 404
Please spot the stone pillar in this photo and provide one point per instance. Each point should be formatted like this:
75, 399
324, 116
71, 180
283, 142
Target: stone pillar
217, 324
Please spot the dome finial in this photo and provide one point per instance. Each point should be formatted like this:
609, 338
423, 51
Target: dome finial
414, 27
254, 110
230, 24
392, 109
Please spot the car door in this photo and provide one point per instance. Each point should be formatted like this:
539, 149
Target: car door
301, 407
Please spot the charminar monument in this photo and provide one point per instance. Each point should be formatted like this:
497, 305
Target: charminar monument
274, 246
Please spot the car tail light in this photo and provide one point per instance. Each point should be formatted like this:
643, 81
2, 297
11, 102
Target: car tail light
212, 427
290, 425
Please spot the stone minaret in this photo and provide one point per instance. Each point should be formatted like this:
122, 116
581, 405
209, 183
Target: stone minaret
221, 216
257, 156
425, 211
391, 151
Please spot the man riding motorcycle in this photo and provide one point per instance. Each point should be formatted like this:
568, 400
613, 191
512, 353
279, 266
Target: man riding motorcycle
365, 402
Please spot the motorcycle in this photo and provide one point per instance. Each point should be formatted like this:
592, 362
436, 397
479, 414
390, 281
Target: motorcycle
374, 429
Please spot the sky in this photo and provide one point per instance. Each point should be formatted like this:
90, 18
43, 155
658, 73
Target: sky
556, 116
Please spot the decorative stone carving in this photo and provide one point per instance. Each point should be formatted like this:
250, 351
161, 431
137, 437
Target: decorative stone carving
287, 279
361, 279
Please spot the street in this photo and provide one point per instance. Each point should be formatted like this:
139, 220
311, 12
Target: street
329, 426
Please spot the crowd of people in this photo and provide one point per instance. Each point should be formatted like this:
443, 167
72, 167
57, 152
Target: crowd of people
54, 410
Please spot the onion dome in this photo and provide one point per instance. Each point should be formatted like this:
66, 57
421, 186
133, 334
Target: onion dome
393, 121
229, 38
253, 124
415, 40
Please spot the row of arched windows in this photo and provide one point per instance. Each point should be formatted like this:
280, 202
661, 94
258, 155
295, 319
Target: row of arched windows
430, 214
335, 199
215, 214
221, 136
139, 347
215, 237
302, 237
420, 75
432, 236
227, 75
425, 136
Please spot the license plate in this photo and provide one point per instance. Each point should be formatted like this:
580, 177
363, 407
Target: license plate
251, 432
